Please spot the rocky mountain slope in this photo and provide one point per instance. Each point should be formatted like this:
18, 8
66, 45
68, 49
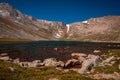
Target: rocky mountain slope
15, 25
96, 29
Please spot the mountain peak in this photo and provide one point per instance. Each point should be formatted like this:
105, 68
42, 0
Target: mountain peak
5, 4
14, 24
8, 11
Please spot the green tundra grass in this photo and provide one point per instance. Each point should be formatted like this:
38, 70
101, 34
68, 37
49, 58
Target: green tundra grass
40, 73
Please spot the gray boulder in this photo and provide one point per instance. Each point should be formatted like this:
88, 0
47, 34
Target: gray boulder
89, 63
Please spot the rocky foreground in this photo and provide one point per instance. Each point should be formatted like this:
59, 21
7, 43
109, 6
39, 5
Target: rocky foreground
94, 66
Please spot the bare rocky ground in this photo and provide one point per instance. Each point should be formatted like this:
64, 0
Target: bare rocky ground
106, 66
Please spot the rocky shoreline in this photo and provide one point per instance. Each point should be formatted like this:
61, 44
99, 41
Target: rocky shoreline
80, 62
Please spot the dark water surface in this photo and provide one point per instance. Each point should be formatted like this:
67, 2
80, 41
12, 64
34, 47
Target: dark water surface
47, 49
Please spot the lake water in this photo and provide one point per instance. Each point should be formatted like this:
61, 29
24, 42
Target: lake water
61, 50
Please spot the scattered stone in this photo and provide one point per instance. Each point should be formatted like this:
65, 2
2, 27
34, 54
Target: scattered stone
36, 61
81, 59
112, 62
17, 60
79, 55
92, 71
60, 64
118, 58
89, 63
24, 64
53, 79
5, 58
3, 54
55, 49
66, 70
72, 63
50, 62
107, 61
59, 68
116, 73
34, 64
119, 66
106, 76
12, 69
97, 52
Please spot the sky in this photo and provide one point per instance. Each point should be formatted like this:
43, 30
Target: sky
67, 11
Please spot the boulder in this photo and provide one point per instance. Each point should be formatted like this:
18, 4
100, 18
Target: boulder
97, 51
78, 55
53, 79
60, 64
50, 62
12, 69
107, 61
36, 63
81, 59
5, 58
119, 66
24, 64
72, 63
17, 60
3, 54
89, 63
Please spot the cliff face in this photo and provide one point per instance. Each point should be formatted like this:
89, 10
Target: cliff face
15, 25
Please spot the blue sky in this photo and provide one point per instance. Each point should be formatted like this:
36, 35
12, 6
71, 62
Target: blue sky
67, 11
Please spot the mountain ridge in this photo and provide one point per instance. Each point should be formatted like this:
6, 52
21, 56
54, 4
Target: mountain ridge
14, 24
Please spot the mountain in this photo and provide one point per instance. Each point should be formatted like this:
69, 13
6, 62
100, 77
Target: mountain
14, 24
96, 29
18, 26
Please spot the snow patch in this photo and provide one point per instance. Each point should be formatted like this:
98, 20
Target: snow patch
68, 27
84, 21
